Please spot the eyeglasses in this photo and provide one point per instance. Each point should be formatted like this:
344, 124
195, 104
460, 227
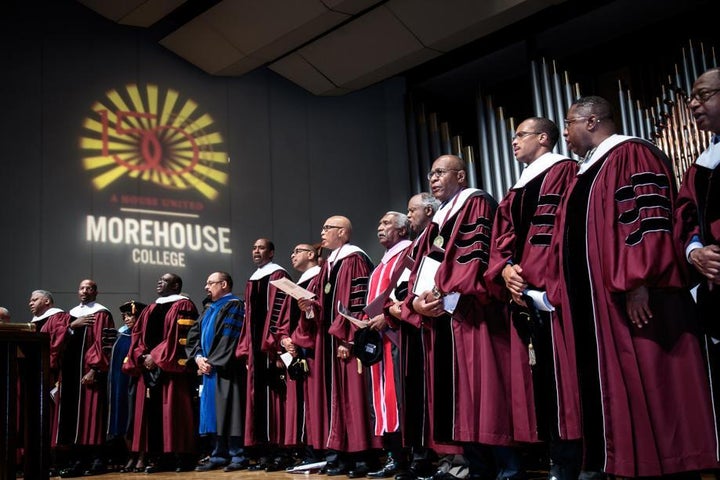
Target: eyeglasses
210, 282
522, 135
325, 228
440, 172
569, 121
702, 96
298, 250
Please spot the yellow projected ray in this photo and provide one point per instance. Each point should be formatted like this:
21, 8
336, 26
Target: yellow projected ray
153, 135
170, 100
202, 187
96, 144
102, 181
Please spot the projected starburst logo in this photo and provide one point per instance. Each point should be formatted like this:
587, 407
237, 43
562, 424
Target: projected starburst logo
154, 136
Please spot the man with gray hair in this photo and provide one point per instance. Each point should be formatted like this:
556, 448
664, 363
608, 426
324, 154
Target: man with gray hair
4, 315
386, 395
420, 211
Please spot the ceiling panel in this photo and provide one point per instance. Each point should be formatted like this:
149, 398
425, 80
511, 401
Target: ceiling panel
351, 7
149, 12
115, 11
301, 72
202, 46
363, 45
328, 47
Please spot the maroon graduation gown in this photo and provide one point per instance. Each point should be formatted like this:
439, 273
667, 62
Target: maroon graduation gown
468, 354
644, 393
295, 401
177, 420
522, 234
82, 408
698, 213
258, 345
56, 327
345, 422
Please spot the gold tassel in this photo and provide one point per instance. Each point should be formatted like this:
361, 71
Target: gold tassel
531, 355
360, 366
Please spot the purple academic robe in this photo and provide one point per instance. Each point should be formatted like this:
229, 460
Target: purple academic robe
644, 393
467, 361
161, 332
544, 397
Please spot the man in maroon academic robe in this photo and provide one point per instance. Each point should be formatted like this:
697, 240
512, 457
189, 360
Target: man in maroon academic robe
258, 346
304, 259
164, 425
82, 397
49, 319
698, 218
468, 361
386, 376
544, 395
644, 395
415, 341
342, 281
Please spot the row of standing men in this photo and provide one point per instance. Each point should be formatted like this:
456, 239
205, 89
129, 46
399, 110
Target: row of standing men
561, 315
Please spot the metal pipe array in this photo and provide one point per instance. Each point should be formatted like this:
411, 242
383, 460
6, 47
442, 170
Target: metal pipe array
667, 122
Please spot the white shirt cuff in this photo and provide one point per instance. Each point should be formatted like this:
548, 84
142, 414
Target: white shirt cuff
692, 246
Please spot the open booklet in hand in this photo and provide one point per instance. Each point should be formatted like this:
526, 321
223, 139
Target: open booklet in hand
342, 310
294, 290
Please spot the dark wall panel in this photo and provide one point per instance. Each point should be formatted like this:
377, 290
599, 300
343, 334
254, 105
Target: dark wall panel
251, 156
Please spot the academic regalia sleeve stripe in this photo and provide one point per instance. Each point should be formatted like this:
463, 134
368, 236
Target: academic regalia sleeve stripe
651, 200
647, 225
358, 281
541, 239
544, 219
551, 199
481, 222
481, 238
627, 192
482, 255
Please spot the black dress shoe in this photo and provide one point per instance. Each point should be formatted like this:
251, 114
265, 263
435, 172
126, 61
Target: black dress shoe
74, 471
97, 468
336, 470
236, 466
390, 468
359, 471
278, 464
206, 467
154, 469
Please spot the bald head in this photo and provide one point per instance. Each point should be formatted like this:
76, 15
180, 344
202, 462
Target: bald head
4, 315
336, 232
